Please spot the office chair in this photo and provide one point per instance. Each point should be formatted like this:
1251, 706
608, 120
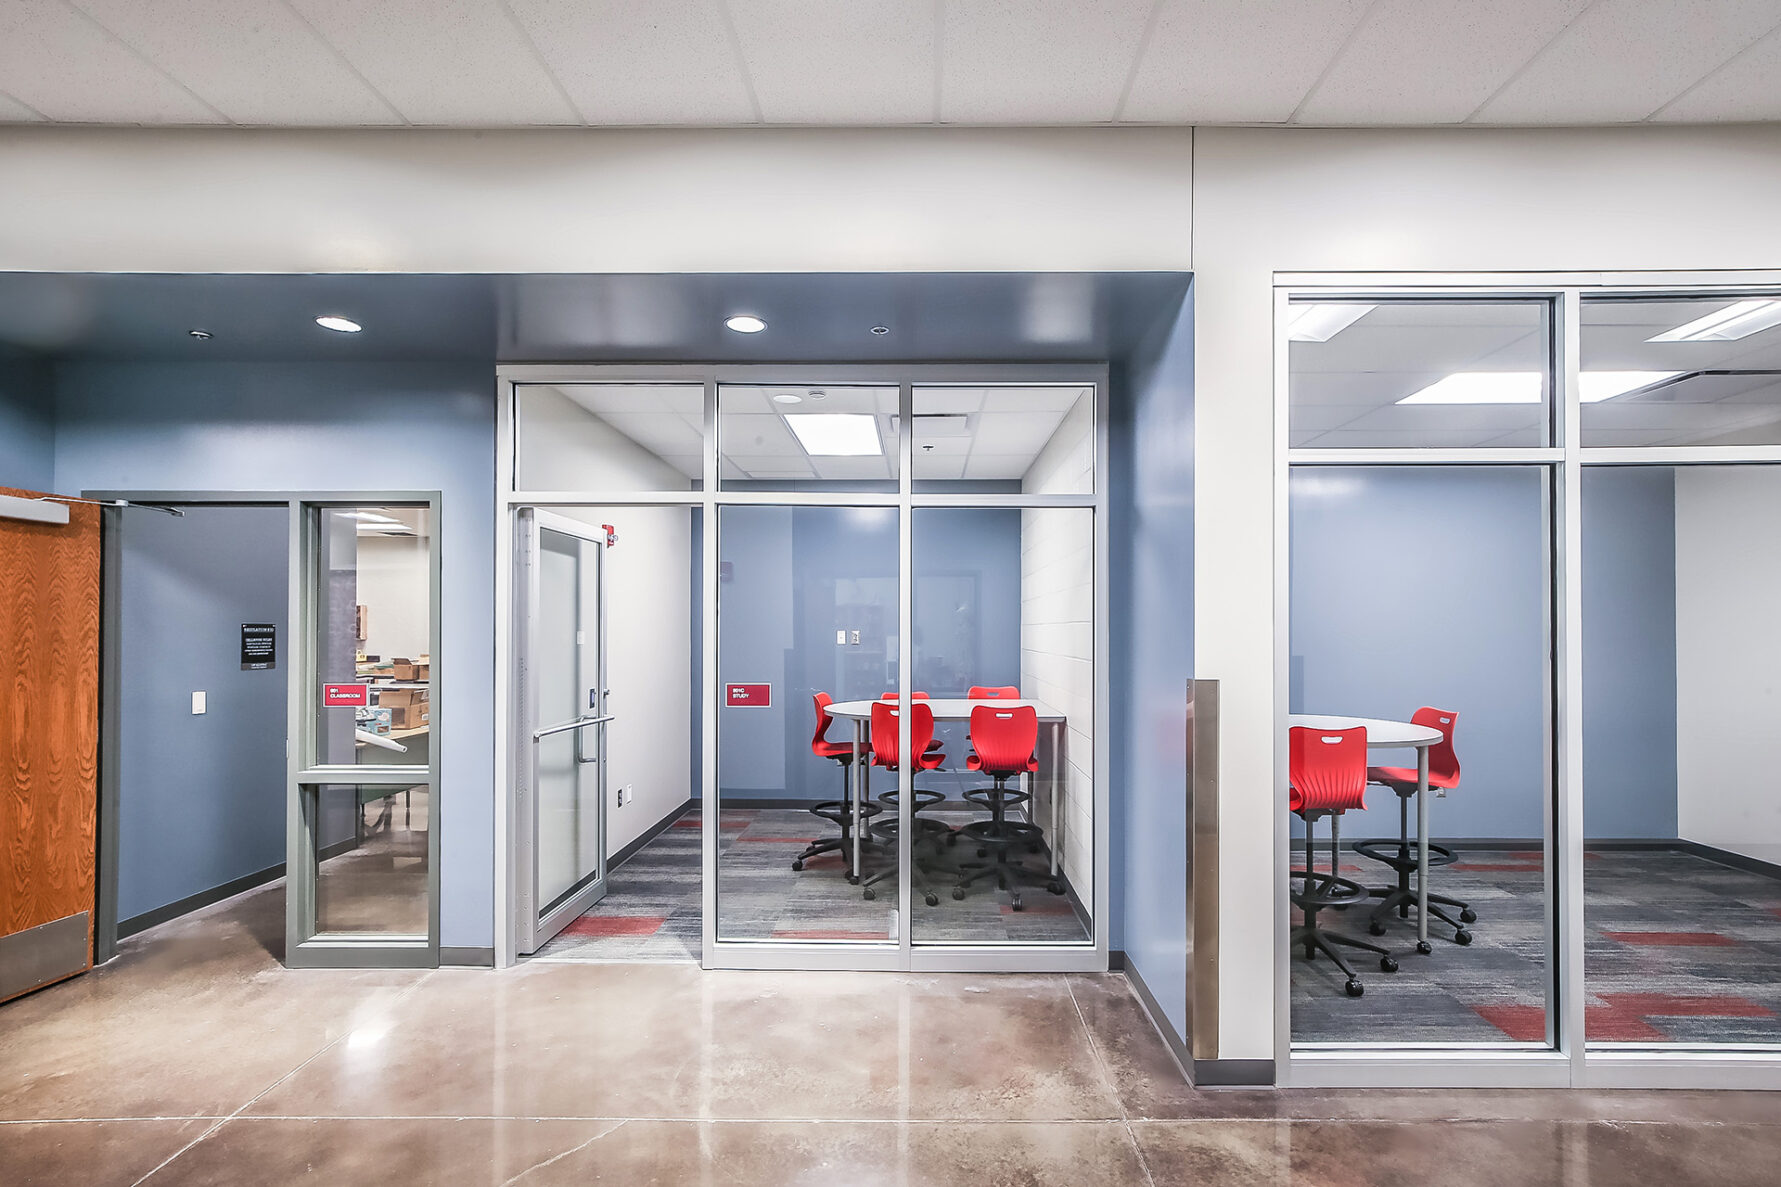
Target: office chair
887, 753
1400, 854
1329, 776
1006, 692
840, 811
1004, 741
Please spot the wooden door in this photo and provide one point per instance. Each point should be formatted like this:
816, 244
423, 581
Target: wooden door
49, 747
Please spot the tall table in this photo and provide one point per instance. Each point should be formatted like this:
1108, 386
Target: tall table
1396, 735
948, 709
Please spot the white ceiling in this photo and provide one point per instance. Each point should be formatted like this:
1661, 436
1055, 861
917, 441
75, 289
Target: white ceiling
1344, 392
512, 63
986, 434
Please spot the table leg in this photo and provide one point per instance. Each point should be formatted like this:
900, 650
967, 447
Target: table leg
1422, 848
1057, 789
857, 774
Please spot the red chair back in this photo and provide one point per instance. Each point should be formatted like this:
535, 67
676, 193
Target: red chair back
1443, 762
1004, 739
1328, 769
819, 740
885, 749
1005, 693
914, 696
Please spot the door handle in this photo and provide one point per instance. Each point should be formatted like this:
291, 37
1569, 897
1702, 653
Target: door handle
578, 723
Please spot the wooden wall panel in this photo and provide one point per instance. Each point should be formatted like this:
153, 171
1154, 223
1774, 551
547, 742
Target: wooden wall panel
49, 718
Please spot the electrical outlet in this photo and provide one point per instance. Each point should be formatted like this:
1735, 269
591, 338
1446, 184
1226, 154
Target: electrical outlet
197, 702
840, 638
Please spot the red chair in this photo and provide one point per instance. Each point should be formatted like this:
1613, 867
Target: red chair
887, 753
1004, 740
1006, 692
1400, 854
838, 811
933, 747
1329, 776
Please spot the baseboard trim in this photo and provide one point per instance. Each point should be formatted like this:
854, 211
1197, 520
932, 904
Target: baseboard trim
753, 801
1152, 1010
1205, 1073
194, 902
1725, 857
1233, 1073
471, 958
649, 834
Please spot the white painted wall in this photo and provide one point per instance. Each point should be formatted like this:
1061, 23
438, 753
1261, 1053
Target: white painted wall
396, 589
1057, 633
1728, 658
1270, 201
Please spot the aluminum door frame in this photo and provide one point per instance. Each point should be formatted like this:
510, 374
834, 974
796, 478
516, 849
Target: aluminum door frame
537, 924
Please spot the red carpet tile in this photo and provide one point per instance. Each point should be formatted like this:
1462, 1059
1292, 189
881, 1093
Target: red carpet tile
722, 822
1527, 1024
818, 934
1673, 939
616, 925
1668, 1005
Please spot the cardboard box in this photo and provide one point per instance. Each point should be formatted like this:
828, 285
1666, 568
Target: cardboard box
396, 698
407, 671
410, 716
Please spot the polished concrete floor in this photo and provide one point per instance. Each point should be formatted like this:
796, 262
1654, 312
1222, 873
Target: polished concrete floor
196, 1058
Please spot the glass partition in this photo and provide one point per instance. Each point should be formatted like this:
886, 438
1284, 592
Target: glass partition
371, 859
808, 437
1682, 834
1429, 374
1004, 439
1420, 601
807, 642
609, 436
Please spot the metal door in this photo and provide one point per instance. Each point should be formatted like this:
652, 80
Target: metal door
562, 718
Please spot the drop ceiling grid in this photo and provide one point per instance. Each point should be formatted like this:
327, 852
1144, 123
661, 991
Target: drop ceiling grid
522, 63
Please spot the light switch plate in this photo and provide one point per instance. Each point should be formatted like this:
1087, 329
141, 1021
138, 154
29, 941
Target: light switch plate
840, 638
197, 702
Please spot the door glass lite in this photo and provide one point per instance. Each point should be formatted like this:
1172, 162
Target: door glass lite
564, 717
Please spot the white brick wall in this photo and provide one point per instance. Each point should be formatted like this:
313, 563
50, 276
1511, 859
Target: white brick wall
1057, 628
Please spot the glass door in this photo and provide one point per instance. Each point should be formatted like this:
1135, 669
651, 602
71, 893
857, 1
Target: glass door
562, 707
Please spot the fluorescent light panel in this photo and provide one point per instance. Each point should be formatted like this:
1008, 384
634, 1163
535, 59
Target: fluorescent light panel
845, 434
1320, 322
1596, 386
1482, 387
1724, 325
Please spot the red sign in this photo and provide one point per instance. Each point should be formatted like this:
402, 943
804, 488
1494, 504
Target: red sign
335, 696
748, 696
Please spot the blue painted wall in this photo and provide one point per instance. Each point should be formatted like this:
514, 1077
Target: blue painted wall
201, 799
796, 576
1151, 504
1629, 652
333, 426
27, 426
1423, 586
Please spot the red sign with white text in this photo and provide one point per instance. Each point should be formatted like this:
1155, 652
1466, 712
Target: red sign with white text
748, 696
336, 696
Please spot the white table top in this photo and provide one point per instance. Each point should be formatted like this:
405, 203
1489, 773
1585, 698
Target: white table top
945, 709
1381, 734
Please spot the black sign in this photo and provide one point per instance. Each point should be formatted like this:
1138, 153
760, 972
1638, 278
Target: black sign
259, 646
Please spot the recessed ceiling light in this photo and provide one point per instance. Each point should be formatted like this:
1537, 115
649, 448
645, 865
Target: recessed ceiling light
745, 323
1734, 321
1482, 387
881, 331
1596, 386
200, 335
1320, 322
846, 434
787, 398
343, 325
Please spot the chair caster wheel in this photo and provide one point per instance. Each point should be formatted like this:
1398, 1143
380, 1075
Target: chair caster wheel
1017, 906
933, 899
798, 865
958, 893
1424, 947
870, 894
1387, 965
853, 879
1468, 916
1055, 887
983, 853
1376, 928
1462, 937
1355, 988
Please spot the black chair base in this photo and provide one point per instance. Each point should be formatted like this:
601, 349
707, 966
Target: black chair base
929, 832
840, 813
1399, 855
1320, 892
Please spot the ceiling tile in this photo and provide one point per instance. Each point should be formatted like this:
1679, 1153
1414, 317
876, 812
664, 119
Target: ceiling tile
254, 60
1746, 88
1433, 61
819, 62
1200, 64
624, 63
1623, 59
1038, 61
464, 64
14, 112
62, 63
